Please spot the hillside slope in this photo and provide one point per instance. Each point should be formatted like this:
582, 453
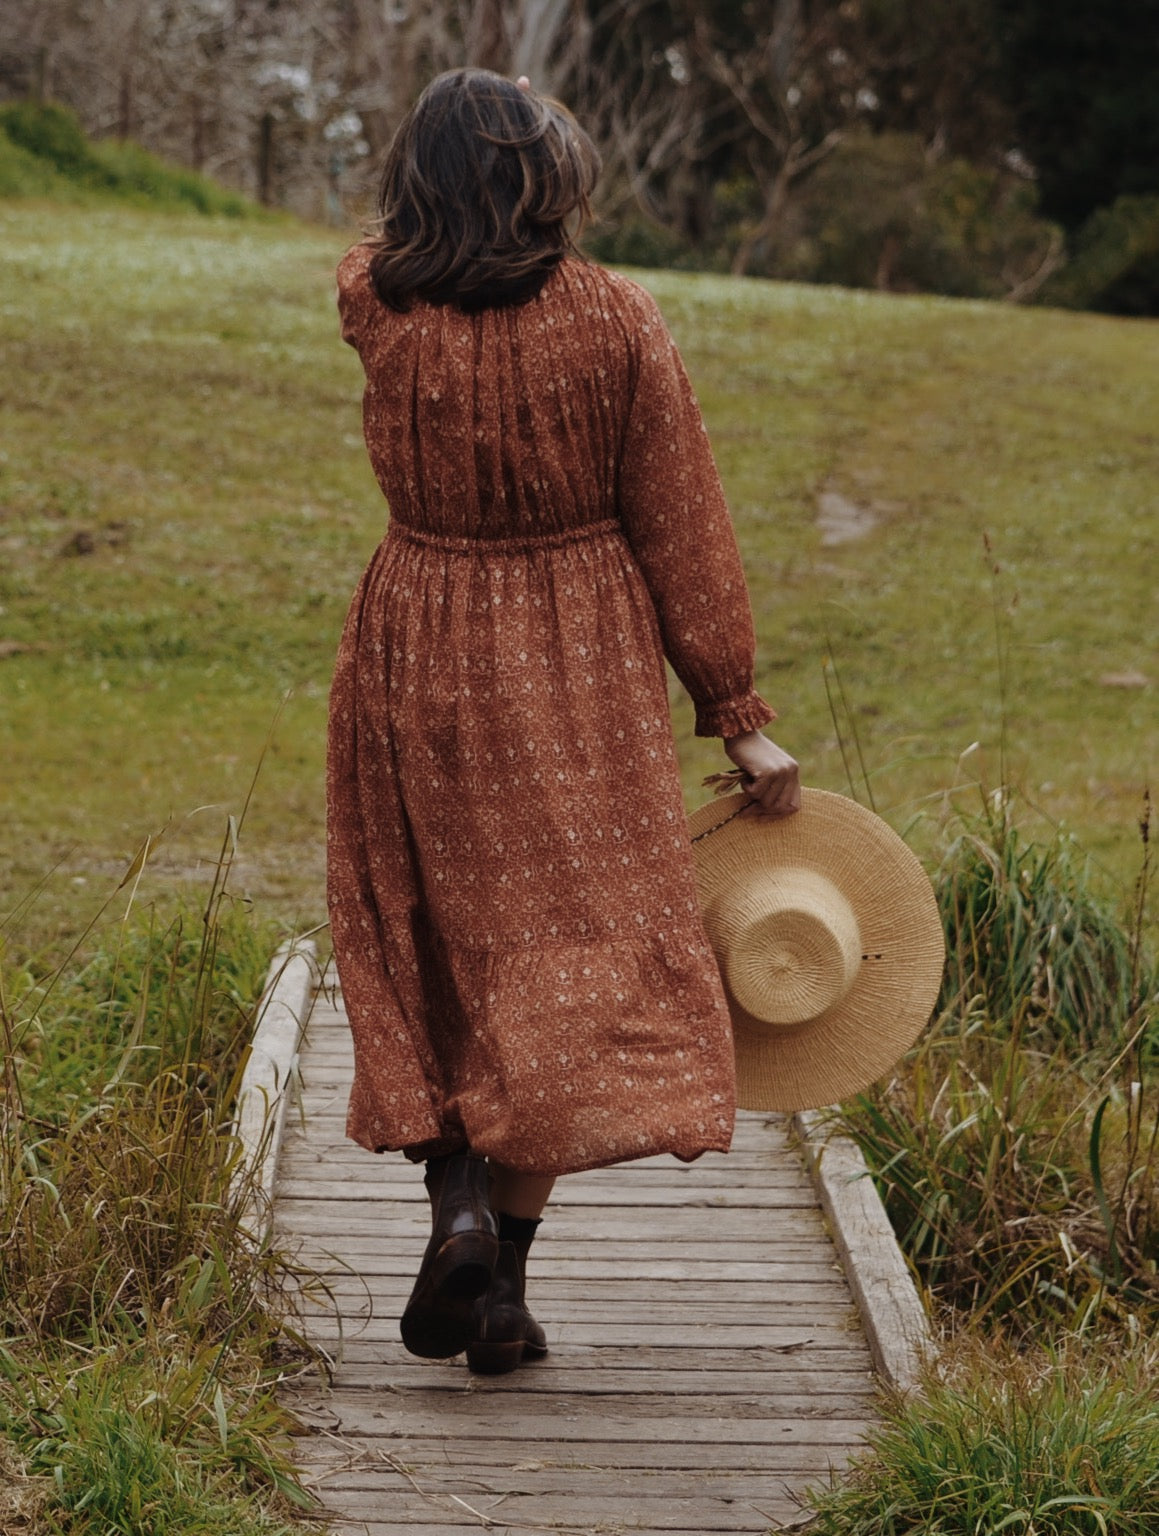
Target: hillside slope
185, 507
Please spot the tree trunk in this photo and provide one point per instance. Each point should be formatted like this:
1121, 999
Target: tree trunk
266, 159
197, 141
541, 25
125, 101
488, 46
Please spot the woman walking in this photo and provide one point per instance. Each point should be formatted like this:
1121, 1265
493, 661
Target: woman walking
514, 916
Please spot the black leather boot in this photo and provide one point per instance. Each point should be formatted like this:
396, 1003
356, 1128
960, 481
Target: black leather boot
505, 1333
459, 1260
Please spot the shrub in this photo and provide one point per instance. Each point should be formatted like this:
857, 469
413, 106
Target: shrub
1115, 263
877, 212
138, 175
23, 174
52, 133
44, 151
635, 241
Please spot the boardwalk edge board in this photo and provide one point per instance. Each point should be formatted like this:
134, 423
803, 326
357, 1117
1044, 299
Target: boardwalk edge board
892, 1315
262, 1100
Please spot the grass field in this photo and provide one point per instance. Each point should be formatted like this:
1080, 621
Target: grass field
185, 507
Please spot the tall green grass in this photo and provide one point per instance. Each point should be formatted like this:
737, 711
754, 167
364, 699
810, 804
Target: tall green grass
144, 1315
1053, 1444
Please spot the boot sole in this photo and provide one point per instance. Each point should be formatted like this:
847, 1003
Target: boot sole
439, 1323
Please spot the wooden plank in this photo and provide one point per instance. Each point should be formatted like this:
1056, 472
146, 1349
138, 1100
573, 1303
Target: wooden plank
567, 1234
334, 1463
630, 1273
334, 1158
610, 1265
712, 1168
891, 1310
357, 1525
657, 1335
264, 1094
385, 1358
754, 1197
685, 1404
539, 1512
741, 1422
788, 1386
636, 1456
370, 1526
590, 1411
792, 1241
583, 1300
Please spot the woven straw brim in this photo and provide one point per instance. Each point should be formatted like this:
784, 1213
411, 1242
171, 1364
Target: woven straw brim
850, 1045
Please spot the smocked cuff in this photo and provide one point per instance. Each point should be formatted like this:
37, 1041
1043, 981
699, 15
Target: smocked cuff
733, 717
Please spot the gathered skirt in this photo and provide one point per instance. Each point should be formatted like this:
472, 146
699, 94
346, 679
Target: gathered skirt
511, 891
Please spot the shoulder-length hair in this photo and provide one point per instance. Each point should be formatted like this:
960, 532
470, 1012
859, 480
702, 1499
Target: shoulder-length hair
484, 191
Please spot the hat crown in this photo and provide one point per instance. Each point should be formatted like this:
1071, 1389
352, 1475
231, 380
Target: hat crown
788, 941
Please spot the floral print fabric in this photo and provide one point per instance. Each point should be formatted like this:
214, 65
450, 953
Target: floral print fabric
510, 881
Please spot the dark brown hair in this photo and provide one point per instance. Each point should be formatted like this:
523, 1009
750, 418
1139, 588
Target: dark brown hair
484, 190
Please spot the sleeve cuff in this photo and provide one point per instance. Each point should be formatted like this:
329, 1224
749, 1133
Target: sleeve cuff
733, 717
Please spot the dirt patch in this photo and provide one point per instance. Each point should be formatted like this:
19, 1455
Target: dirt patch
841, 521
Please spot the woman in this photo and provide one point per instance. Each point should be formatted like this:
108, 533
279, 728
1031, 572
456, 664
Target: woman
510, 883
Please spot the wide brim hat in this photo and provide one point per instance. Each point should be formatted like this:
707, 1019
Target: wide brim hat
830, 947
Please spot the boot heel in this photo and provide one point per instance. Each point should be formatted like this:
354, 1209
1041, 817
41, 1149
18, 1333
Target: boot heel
505, 1332
494, 1359
463, 1266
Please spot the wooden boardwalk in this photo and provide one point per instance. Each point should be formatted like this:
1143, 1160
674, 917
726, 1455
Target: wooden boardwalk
706, 1365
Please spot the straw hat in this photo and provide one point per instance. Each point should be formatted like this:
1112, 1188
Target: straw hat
829, 943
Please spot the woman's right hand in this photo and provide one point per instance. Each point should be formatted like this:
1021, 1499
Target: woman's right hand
773, 781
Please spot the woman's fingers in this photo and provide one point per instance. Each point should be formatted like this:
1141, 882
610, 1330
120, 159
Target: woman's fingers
774, 793
523, 83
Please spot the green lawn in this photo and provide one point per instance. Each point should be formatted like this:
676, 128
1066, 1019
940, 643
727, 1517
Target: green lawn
185, 507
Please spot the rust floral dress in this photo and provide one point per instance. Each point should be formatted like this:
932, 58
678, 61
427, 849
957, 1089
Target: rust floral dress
510, 881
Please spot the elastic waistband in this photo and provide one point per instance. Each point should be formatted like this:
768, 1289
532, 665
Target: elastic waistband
524, 544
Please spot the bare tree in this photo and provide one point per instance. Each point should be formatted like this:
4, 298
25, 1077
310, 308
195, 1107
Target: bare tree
778, 81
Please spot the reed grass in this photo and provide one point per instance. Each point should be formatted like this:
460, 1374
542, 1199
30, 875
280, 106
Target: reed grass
1017, 1148
1027, 938
144, 1316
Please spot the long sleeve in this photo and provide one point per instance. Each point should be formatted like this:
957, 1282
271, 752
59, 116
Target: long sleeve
676, 519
